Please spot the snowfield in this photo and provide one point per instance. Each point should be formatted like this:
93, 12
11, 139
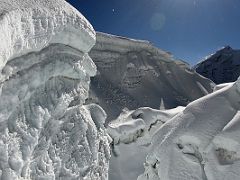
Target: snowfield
45, 130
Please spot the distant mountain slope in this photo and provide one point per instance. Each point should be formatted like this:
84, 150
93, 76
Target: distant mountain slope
134, 73
221, 67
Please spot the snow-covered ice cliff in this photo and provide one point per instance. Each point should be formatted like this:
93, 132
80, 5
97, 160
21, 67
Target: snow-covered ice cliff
202, 142
134, 73
45, 130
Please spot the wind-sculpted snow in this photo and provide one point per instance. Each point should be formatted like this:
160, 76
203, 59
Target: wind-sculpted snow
134, 73
132, 134
45, 130
31, 25
200, 143
132, 124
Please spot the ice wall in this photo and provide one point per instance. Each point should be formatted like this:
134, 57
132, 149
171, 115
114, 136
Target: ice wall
45, 130
134, 73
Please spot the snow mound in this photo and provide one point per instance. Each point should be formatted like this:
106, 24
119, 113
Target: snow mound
220, 86
132, 134
45, 130
134, 73
132, 124
202, 142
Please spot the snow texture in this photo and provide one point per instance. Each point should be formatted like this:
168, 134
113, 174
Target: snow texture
222, 66
202, 142
132, 134
132, 124
29, 25
134, 73
46, 132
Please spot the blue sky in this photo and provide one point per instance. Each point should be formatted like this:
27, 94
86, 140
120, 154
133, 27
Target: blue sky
189, 29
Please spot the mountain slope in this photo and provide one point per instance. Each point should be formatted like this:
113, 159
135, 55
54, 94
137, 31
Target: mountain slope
134, 73
222, 66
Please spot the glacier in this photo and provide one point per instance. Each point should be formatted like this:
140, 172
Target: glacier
134, 80
132, 134
201, 142
58, 77
46, 131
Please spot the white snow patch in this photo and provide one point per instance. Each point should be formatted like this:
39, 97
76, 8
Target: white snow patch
132, 135
202, 142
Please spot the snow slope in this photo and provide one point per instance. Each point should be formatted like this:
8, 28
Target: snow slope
201, 142
222, 66
134, 73
45, 130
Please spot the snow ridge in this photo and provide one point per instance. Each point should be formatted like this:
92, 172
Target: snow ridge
132, 134
201, 142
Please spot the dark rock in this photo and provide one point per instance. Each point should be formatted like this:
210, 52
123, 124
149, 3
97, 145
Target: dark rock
221, 67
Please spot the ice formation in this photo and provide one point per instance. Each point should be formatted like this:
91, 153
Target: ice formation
132, 134
133, 124
202, 142
134, 73
45, 130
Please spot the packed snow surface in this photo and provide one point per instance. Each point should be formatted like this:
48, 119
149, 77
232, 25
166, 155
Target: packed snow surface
134, 73
132, 134
45, 130
200, 143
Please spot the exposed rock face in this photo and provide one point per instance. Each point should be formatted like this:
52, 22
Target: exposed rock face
221, 67
134, 73
45, 130
202, 142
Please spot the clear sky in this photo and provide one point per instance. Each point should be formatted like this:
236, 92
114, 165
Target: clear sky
189, 29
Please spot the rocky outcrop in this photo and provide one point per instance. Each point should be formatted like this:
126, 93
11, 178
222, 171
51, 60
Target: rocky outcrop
222, 66
45, 130
134, 73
